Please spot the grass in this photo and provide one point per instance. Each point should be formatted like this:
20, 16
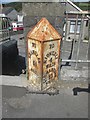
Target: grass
83, 5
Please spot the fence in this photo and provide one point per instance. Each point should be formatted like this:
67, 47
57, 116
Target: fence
78, 49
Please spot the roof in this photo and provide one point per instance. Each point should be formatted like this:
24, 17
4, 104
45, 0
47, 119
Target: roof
74, 13
74, 5
74, 16
43, 31
7, 10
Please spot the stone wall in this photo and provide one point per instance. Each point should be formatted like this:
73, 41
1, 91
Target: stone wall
33, 12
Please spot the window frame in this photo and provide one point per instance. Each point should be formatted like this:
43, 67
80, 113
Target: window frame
73, 23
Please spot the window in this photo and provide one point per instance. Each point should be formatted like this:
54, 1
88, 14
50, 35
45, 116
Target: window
72, 26
78, 27
64, 27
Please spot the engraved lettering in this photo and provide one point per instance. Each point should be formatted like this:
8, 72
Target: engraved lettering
51, 46
34, 52
34, 63
53, 53
50, 65
34, 45
51, 76
38, 60
33, 70
50, 60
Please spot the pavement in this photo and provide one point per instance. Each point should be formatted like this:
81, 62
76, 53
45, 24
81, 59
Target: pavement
17, 102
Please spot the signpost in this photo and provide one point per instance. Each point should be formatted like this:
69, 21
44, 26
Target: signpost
43, 52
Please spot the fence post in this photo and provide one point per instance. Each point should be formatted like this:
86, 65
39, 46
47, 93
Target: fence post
66, 26
79, 41
75, 32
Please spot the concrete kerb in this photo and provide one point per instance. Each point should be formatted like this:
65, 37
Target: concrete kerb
13, 81
68, 74
70, 78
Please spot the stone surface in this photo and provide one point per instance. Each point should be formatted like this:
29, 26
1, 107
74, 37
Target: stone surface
49, 9
19, 103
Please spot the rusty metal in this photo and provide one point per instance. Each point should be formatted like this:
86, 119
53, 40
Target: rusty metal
51, 62
43, 31
42, 65
43, 52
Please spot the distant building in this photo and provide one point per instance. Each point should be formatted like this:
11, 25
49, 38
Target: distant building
10, 12
20, 17
71, 8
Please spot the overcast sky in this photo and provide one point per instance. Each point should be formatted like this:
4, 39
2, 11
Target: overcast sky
5, 1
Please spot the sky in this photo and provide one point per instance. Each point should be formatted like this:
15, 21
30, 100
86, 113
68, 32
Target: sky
6, 1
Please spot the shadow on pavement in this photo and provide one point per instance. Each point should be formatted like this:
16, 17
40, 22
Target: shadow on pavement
70, 56
14, 67
78, 89
13, 91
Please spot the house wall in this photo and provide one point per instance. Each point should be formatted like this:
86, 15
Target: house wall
85, 32
20, 18
71, 35
69, 8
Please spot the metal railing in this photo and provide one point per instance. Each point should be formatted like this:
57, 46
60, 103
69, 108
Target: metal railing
77, 14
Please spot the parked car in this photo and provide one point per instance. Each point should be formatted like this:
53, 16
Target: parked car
17, 26
20, 26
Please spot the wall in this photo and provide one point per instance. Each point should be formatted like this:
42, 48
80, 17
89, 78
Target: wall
20, 18
85, 32
54, 12
43, 9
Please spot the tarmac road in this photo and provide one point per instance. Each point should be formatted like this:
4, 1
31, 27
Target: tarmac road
18, 103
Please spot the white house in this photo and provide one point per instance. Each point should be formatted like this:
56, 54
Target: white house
73, 21
20, 17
